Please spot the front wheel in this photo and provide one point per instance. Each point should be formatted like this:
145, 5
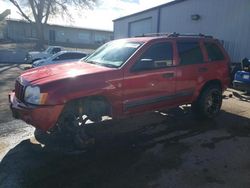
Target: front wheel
80, 114
209, 102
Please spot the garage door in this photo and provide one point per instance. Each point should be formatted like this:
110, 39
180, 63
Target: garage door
140, 27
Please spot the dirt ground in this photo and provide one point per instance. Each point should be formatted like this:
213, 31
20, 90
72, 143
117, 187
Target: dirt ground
161, 149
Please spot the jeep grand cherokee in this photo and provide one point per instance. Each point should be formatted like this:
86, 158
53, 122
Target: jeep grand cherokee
125, 77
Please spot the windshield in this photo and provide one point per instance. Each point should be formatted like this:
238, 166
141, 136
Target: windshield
48, 49
113, 54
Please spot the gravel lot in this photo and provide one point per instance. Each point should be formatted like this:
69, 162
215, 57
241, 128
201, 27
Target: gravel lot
161, 149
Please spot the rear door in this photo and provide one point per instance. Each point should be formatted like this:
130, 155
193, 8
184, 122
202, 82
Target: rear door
191, 70
217, 62
150, 83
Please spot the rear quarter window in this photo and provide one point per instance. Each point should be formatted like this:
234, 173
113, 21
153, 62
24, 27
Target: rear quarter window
214, 52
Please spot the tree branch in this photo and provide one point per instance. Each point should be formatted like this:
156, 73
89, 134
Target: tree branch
47, 12
20, 10
31, 2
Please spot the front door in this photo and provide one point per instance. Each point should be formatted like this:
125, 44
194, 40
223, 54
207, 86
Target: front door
150, 83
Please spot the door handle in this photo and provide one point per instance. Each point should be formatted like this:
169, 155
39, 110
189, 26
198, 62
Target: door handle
203, 69
168, 75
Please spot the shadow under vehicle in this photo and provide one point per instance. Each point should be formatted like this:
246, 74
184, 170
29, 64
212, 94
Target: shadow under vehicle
136, 152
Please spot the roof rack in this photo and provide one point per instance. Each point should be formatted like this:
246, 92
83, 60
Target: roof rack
189, 35
154, 34
175, 35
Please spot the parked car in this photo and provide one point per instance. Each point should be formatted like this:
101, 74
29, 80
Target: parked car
123, 78
60, 57
242, 77
35, 55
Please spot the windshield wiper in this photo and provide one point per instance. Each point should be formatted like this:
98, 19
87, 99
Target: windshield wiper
102, 64
91, 62
109, 65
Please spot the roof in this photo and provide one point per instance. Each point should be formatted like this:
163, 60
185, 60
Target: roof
156, 36
74, 27
157, 7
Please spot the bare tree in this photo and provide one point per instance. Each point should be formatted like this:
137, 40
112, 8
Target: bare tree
39, 11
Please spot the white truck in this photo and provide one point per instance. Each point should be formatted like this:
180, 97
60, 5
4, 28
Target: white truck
35, 55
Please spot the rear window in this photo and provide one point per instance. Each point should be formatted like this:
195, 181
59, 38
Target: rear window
189, 53
214, 52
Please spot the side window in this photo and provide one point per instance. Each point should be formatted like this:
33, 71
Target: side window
159, 55
55, 50
77, 55
63, 57
67, 56
214, 52
189, 53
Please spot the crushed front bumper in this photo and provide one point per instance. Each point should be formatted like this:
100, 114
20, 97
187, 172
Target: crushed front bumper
41, 117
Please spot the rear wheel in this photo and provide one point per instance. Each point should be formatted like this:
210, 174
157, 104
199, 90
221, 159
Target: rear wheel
209, 102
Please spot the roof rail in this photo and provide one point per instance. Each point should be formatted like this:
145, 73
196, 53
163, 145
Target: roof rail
174, 35
154, 34
189, 35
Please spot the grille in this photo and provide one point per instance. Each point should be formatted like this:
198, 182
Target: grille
19, 91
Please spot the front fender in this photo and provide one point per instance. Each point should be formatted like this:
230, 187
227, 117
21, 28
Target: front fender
72, 89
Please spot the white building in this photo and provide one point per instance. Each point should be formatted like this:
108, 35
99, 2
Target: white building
227, 20
22, 31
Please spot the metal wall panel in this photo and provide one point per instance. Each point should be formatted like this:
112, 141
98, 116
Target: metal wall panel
140, 27
227, 20
121, 27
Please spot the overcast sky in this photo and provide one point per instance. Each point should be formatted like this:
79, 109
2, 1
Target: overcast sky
99, 18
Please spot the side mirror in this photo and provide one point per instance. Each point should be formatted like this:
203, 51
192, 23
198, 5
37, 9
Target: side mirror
143, 64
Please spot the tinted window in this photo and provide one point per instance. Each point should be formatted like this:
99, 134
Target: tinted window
189, 53
214, 52
77, 55
55, 50
67, 56
157, 56
64, 56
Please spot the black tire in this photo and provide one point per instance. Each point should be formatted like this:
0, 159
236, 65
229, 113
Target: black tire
54, 142
209, 102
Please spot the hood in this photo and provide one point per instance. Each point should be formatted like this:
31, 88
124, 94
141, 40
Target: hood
45, 74
35, 53
39, 54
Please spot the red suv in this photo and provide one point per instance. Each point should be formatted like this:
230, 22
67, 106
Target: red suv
125, 77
